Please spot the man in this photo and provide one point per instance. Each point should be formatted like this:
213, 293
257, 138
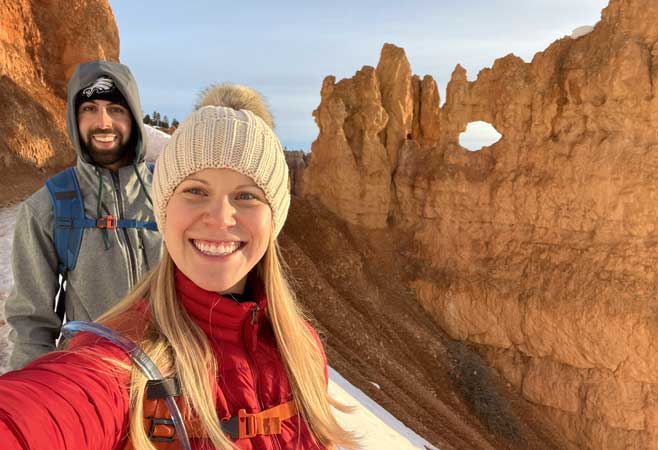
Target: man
115, 246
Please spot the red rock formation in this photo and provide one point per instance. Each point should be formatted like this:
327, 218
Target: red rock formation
541, 247
394, 76
355, 177
297, 162
426, 115
40, 45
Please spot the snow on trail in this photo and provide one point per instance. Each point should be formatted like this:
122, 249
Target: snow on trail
379, 429
7, 221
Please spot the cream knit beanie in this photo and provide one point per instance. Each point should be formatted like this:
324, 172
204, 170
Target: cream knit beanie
226, 132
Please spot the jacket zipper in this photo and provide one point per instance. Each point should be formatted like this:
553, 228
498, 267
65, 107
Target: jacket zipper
142, 247
252, 363
131, 254
254, 368
254, 314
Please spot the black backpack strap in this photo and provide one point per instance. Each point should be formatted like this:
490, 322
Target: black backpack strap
60, 304
159, 389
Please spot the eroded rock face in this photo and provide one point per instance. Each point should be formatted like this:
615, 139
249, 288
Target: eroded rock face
426, 114
40, 45
354, 176
297, 162
542, 247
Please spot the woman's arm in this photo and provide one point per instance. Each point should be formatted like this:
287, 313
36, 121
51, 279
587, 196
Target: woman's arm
75, 399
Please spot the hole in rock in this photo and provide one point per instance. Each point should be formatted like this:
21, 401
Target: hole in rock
478, 134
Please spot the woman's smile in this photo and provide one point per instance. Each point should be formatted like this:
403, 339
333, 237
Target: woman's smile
214, 248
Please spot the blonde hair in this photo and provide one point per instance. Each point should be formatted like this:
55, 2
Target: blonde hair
179, 347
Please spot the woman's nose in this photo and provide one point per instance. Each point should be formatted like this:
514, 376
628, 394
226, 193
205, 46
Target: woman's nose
221, 214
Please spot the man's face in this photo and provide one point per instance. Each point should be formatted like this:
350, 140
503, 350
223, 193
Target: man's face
105, 129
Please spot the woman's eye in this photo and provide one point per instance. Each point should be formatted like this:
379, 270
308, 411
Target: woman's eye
195, 191
246, 196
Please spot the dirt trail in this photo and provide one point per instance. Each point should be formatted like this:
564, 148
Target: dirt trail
353, 284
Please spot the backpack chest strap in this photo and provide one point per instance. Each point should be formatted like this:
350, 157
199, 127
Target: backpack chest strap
70, 218
266, 422
160, 428
109, 222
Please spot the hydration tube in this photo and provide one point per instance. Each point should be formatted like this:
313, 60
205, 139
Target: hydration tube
145, 364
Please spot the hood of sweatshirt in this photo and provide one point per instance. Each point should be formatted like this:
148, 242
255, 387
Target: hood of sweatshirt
86, 74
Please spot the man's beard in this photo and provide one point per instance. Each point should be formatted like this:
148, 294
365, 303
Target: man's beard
105, 157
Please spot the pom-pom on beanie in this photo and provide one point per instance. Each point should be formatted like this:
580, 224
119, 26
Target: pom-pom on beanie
231, 129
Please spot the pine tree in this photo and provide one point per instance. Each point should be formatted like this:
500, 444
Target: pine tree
147, 120
174, 123
165, 122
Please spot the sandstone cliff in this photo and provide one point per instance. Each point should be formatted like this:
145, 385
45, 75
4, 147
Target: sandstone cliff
542, 248
40, 45
378, 336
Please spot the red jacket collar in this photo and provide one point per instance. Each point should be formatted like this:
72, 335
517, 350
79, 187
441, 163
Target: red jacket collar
220, 317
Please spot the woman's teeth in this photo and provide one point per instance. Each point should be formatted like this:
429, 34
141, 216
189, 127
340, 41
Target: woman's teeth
217, 248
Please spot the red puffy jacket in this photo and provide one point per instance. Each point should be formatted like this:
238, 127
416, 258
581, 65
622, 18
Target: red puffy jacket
72, 400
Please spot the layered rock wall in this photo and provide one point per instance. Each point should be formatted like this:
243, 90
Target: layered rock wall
542, 248
41, 42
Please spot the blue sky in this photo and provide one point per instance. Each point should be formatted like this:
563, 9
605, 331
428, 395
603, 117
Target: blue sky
285, 49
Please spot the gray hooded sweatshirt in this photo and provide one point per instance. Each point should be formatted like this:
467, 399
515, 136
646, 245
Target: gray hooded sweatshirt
102, 276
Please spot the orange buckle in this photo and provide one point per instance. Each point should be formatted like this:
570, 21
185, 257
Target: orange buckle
161, 430
108, 222
246, 425
264, 422
249, 425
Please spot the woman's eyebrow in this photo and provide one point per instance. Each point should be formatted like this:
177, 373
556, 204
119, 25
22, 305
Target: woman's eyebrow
195, 179
252, 185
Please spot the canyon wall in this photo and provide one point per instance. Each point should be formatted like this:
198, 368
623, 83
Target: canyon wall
542, 248
41, 42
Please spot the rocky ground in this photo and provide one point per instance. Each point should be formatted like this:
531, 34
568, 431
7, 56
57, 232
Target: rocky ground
352, 283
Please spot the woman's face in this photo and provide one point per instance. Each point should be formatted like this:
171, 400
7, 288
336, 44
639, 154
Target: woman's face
217, 228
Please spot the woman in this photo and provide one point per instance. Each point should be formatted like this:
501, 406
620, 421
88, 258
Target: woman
216, 316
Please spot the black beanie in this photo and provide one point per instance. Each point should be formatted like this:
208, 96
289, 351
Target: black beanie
101, 89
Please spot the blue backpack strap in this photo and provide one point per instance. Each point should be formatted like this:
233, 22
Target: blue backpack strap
70, 219
69, 216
